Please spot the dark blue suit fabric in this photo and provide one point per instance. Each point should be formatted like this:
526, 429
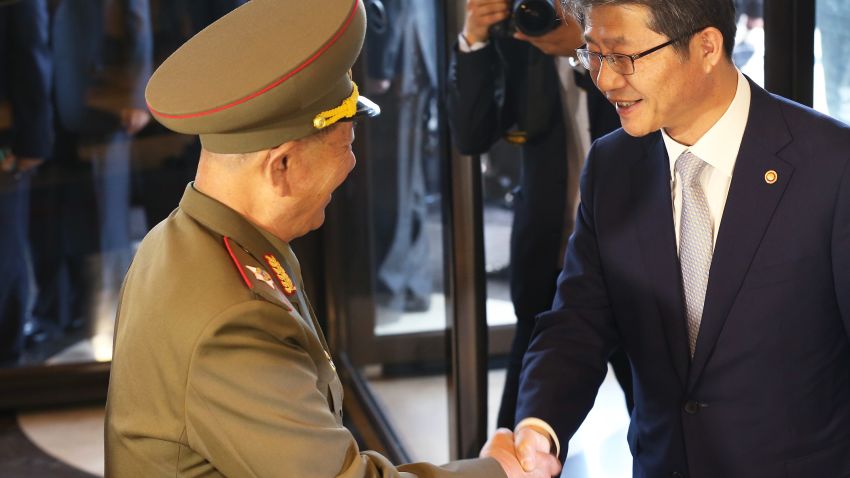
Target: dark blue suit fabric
767, 393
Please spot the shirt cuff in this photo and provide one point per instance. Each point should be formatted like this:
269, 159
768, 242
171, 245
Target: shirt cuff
540, 424
465, 47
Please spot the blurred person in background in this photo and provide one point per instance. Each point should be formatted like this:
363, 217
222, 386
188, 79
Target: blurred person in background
401, 53
81, 202
25, 142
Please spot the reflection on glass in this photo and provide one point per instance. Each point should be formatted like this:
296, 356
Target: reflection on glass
404, 168
25, 124
832, 48
109, 176
402, 62
748, 54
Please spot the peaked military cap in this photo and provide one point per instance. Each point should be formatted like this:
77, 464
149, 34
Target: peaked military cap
269, 72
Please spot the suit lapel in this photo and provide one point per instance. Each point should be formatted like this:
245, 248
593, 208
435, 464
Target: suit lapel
653, 214
749, 208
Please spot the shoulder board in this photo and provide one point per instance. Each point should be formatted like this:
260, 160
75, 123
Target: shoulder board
256, 276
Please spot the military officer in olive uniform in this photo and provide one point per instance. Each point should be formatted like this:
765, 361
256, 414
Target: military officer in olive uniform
220, 368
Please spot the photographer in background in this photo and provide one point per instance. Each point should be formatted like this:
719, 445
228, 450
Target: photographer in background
521, 86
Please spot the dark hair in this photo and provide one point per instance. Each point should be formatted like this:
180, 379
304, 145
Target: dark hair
675, 18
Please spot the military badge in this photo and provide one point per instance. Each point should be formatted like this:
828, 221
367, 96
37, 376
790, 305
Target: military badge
282, 276
261, 275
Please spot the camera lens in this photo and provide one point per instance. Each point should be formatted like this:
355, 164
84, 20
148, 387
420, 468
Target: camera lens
535, 17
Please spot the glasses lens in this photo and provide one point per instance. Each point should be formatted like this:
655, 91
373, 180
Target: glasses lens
588, 59
622, 64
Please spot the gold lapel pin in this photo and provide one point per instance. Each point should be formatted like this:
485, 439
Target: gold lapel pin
770, 177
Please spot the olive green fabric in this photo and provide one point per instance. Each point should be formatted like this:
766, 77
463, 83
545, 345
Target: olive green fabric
217, 371
258, 77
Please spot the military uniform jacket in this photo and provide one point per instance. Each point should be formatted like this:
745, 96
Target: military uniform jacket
220, 368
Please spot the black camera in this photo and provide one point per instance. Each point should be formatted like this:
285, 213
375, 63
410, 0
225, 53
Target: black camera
531, 17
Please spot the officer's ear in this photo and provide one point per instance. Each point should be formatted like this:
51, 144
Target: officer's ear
277, 168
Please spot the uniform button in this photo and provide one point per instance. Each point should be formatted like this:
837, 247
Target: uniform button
677, 474
691, 407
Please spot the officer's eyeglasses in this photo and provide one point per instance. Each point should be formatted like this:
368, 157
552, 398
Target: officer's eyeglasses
618, 62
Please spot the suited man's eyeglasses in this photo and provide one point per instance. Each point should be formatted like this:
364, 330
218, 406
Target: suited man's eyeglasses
620, 63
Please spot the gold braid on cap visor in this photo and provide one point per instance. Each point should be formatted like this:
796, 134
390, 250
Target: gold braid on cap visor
347, 109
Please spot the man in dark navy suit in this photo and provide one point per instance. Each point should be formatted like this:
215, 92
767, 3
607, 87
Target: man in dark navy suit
26, 65
713, 244
524, 88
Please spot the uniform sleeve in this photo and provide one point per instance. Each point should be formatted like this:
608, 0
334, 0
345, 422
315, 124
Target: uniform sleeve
479, 113
567, 357
254, 406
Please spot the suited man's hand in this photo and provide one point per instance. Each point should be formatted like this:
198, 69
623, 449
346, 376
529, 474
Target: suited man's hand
561, 41
134, 119
533, 450
501, 447
481, 15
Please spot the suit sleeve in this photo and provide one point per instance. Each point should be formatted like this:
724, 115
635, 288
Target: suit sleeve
30, 83
841, 248
567, 357
254, 407
479, 113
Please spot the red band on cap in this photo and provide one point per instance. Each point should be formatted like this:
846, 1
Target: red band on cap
277, 83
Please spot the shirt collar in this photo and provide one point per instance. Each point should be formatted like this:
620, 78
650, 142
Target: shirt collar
719, 146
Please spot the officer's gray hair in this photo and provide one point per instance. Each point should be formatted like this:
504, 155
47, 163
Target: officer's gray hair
674, 18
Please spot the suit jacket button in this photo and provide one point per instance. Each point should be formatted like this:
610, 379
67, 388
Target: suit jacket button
691, 407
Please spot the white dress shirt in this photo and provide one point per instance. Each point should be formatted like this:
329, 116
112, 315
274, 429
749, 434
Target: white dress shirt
719, 148
465, 47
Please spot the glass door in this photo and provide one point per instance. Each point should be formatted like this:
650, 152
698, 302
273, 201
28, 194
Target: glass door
399, 245
831, 92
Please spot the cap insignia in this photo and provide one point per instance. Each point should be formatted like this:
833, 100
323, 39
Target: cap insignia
347, 109
282, 276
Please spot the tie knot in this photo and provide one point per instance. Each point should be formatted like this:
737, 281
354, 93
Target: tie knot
689, 166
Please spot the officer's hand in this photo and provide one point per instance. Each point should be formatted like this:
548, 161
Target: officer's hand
481, 15
561, 41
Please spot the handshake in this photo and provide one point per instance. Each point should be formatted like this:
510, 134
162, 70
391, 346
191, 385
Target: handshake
526, 454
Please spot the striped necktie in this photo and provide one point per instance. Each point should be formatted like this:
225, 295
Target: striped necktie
695, 241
